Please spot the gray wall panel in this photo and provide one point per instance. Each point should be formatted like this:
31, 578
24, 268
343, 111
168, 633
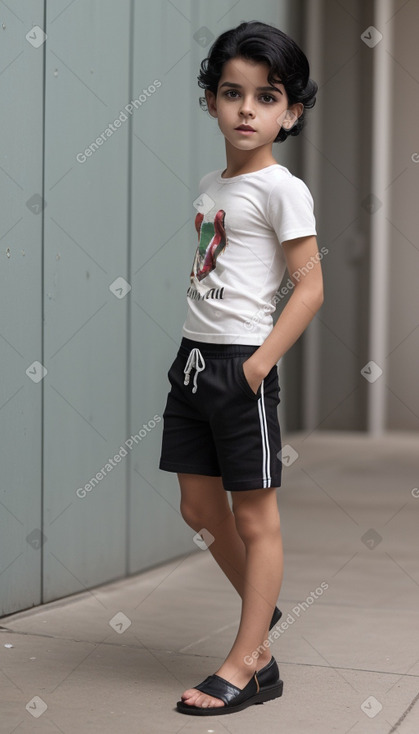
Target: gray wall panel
85, 324
21, 74
343, 159
403, 394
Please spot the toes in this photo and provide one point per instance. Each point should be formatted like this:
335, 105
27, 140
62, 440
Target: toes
208, 702
217, 702
193, 697
201, 700
190, 693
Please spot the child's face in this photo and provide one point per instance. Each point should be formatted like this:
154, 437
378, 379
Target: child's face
239, 101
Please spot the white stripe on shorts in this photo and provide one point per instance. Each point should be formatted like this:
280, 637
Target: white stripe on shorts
266, 455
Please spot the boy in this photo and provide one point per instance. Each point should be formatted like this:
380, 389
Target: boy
221, 430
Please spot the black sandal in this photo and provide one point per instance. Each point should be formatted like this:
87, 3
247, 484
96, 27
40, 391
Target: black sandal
264, 685
275, 618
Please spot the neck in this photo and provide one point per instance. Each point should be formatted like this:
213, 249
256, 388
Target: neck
246, 161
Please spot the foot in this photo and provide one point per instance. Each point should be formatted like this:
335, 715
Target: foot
240, 679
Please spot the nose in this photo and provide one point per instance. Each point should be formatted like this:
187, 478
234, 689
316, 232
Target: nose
246, 108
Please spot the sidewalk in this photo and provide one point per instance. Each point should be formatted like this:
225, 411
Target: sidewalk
349, 657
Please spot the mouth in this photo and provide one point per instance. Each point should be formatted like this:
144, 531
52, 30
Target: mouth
245, 129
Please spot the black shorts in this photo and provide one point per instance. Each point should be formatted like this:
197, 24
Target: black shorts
215, 424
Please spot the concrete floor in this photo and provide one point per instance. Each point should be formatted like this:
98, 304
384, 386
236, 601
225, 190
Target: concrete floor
349, 659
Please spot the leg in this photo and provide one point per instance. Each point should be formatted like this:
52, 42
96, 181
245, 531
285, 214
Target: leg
258, 524
204, 504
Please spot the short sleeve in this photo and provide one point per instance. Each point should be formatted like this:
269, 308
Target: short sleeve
207, 179
290, 209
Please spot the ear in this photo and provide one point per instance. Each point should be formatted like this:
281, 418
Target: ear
211, 103
289, 117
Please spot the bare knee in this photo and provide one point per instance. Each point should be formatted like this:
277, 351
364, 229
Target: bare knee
191, 514
203, 500
197, 518
252, 530
256, 521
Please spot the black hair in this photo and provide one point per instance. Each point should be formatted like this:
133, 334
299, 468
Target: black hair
263, 43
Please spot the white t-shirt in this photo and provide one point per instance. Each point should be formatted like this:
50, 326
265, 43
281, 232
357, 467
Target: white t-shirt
239, 263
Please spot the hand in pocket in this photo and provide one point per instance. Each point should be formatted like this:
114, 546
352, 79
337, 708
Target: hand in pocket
254, 381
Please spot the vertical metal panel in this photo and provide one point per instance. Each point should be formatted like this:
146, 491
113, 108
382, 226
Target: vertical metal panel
400, 372
340, 153
86, 87
21, 80
379, 273
311, 340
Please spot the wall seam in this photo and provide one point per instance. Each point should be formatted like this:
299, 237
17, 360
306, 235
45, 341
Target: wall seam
42, 418
129, 273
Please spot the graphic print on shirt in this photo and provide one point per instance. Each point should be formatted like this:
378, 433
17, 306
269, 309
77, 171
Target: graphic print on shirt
212, 241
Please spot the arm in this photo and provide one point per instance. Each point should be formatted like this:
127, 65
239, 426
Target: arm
305, 301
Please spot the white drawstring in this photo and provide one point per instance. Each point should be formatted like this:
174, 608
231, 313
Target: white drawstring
194, 361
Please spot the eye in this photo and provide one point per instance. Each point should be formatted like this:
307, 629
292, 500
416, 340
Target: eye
269, 97
234, 94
